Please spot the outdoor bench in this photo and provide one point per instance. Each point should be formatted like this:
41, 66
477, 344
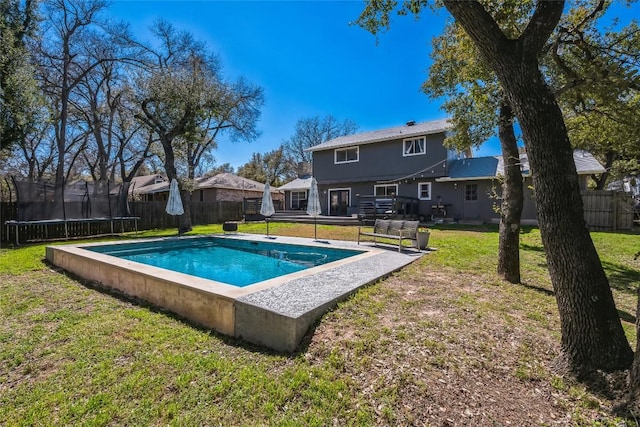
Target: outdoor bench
392, 229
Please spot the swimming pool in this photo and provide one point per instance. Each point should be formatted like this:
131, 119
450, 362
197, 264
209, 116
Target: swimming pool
275, 313
235, 262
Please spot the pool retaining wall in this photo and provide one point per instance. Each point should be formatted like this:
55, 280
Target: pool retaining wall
276, 313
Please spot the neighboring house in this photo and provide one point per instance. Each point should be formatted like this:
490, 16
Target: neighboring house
410, 165
145, 186
156, 192
296, 193
630, 184
232, 188
222, 187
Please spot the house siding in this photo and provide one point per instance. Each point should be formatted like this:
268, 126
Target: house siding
449, 194
382, 161
406, 188
453, 197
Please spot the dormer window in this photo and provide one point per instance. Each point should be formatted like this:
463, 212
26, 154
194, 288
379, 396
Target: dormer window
414, 146
347, 155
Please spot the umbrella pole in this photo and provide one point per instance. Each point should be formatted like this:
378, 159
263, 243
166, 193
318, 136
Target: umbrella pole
315, 227
267, 220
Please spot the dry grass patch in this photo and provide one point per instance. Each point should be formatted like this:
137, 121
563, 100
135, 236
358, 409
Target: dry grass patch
441, 343
455, 349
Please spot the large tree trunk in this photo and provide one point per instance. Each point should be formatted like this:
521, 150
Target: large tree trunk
184, 220
592, 335
634, 375
512, 200
602, 178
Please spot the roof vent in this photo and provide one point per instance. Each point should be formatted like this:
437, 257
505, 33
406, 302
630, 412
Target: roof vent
411, 123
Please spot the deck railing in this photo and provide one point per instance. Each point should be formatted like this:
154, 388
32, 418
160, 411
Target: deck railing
372, 207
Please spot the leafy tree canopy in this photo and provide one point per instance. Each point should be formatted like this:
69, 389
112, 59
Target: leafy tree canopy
19, 96
273, 167
593, 72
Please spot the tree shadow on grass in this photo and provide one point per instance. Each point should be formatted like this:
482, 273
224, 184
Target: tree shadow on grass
624, 316
540, 289
621, 277
534, 248
487, 228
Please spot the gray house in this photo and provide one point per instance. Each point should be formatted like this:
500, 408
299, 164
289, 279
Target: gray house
406, 171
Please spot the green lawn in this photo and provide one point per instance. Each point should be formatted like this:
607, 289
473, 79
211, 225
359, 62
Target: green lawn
442, 342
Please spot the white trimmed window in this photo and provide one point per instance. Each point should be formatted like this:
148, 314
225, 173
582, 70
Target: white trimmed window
347, 155
298, 199
414, 146
424, 191
385, 190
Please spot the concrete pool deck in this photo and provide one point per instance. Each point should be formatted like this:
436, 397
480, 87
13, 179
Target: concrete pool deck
275, 313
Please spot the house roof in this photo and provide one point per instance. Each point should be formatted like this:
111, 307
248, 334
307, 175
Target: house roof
144, 180
476, 168
138, 182
153, 188
404, 131
586, 163
297, 184
524, 164
222, 180
231, 181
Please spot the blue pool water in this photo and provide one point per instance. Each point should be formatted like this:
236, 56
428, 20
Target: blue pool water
235, 262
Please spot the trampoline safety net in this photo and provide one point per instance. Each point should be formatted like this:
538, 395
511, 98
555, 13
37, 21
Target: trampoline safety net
37, 201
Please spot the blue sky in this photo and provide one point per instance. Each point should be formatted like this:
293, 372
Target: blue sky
308, 60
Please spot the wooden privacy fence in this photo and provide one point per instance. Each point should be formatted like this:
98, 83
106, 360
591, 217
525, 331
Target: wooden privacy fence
152, 214
608, 210
603, 211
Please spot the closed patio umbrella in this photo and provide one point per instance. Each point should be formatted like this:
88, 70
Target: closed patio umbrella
267, 209
174, 204
313, 205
